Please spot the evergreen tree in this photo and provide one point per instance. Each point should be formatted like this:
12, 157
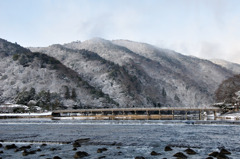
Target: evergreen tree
32, 93
74, 95
67, 93
164, 94
176, 98
48, 96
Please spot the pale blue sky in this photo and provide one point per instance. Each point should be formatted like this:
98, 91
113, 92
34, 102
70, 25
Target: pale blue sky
203, 28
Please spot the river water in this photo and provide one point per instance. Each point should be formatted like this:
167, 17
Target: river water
123, 139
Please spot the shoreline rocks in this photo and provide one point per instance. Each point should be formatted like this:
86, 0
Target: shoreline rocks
76, 144
168, 148
12, 146
190, 151
74, 149
80, 154
23, 148
82, 140
43, 145
182, 152
180, 155
139, 157
154, 153
220, 155
213, 154
25, 152
100, 150
225, 152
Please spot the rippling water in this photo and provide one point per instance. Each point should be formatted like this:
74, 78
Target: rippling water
123, 139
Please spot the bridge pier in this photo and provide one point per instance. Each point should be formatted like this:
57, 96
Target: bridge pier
112, 115
200, 115
215, 115
172, 114
159, 114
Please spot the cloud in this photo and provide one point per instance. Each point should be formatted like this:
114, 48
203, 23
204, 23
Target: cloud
206, 29
211, 50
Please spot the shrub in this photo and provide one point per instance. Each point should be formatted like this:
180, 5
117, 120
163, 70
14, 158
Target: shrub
23, 60
176, 98
15, 57
4, 77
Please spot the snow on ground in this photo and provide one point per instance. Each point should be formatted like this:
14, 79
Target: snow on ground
13, 106
26, 114
231, 116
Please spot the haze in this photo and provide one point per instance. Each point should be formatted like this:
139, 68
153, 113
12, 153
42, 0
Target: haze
203, 28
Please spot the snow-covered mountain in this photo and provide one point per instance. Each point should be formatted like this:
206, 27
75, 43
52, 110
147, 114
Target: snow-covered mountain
141, 75
234, 67
228, 91
36, 78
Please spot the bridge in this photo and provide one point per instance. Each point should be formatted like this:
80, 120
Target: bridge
136, 113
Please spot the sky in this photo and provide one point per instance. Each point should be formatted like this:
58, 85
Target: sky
207, 29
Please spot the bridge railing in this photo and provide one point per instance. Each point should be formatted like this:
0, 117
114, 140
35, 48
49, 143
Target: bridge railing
114, 112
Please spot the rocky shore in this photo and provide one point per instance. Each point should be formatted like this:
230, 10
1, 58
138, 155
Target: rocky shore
103, 150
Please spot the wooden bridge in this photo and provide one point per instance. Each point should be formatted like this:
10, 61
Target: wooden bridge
136, 113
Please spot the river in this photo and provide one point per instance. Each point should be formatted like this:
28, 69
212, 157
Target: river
122, 139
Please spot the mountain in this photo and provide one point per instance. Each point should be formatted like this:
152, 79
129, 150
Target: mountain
141, 75
234, 67
109, 77
227, 90
8, 49
36, 78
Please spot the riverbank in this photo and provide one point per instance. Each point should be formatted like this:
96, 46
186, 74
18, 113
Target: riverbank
231, 116
25, 115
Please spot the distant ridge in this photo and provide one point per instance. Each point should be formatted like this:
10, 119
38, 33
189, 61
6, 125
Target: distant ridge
234, 67
137, 74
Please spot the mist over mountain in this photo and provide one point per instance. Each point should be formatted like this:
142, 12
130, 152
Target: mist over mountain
141, 75
234, 67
